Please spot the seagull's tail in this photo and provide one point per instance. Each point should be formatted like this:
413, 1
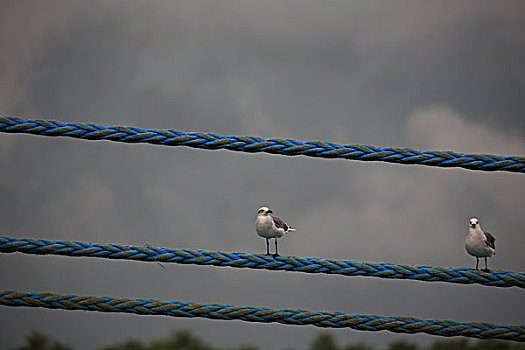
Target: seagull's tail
291, 229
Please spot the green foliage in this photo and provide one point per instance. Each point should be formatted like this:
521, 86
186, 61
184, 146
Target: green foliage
402, 344
134, 345
358, 346
497, 345
450, 344
179, 340
464, 344
128, 345
323, 341
185, 340
247, 347
38, 341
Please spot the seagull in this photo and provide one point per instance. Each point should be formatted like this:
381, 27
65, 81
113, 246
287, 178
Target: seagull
479, 244
270, 226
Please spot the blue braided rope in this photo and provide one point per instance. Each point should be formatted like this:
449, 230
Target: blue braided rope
257, 261
288, 147
395, 324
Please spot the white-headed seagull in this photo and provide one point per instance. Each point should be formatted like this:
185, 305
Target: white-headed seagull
270, 226
479, 244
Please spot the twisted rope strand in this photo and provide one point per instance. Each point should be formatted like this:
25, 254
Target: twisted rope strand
288, 147
395, 324
257, 261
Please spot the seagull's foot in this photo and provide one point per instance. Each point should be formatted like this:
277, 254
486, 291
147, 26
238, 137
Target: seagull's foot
275, 255
485, 270
268, 254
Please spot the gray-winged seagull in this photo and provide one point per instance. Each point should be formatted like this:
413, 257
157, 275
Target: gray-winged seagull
270, 226
478, 243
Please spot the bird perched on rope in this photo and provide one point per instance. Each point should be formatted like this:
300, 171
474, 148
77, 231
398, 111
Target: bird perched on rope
270, 226
479, 243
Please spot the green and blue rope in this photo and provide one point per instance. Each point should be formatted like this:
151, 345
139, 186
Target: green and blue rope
257, 261
288, 147
371, 323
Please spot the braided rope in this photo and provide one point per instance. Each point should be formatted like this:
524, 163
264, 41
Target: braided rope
257, 261
395, 324
252, 144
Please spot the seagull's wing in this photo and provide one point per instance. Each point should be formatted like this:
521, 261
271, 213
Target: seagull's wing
279, 223
489, 239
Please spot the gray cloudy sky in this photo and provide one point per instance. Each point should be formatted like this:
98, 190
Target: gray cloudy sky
428, 75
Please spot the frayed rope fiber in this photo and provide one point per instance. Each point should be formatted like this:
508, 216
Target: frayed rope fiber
258, 261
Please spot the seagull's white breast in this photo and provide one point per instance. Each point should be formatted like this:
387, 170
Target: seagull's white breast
266, 228
476, 245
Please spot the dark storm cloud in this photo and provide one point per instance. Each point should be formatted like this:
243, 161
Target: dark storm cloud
302, 64
427, 75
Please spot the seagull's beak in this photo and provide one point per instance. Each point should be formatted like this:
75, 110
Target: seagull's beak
269, 211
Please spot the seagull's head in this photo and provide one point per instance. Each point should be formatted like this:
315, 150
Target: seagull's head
263, 211
473, 223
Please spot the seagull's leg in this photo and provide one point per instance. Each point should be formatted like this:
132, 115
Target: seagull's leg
267, 246
477, 262
276, 253
486, 268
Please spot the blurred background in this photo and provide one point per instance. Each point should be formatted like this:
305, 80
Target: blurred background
428, 75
